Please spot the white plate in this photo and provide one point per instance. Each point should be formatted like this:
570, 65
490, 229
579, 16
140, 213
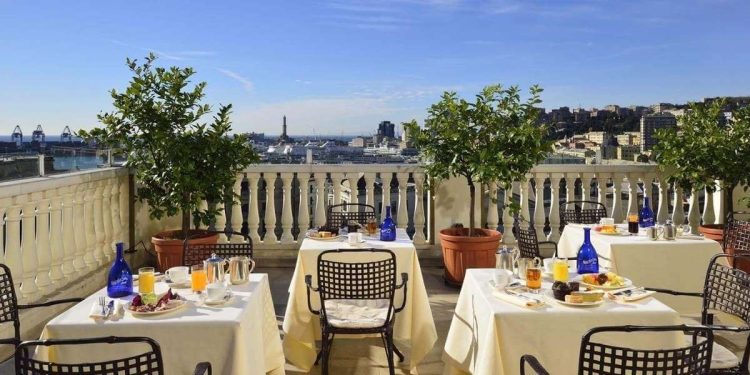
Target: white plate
334, 238
176, 307
627, 284
618, 233
582, 304
227, 298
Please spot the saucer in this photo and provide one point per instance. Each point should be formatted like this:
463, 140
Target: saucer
227, 298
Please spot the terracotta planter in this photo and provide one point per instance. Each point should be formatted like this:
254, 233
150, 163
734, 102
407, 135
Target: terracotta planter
169, 250
713, 231
461, 252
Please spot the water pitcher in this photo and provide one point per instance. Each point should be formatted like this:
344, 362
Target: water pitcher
214, 267
240, 269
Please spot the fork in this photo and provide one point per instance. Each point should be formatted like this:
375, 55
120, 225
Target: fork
103, 304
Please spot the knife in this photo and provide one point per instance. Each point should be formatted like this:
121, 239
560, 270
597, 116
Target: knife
110, 309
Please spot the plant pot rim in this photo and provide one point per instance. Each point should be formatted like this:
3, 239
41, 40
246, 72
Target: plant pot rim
159, 238
490, 235
712, 226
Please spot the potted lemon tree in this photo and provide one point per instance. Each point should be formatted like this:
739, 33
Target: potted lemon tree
177, 159
497, 138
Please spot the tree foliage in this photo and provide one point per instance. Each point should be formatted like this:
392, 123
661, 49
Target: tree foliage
706, 149
177, 159
495, 139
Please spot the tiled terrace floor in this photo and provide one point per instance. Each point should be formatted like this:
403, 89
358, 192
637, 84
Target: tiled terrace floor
362, 356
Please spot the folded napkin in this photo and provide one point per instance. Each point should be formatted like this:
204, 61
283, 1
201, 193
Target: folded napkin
519, 300
117, 308
630, 294
97, 312
690, 237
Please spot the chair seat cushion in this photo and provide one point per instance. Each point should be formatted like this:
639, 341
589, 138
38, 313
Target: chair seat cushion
721, 357
357, 313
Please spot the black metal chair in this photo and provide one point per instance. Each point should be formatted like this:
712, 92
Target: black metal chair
737, 240
528, 246
196, 253
579, 215
350, 212
357, 298
727, 291
9, 306
147, 363
601, 359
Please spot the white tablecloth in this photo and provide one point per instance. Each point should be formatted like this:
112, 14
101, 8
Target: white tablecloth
413, 325
489, 336
240, 337
678, 265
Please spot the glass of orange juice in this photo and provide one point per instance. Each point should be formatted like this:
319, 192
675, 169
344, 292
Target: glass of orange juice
534, 278
146, 279
198, 278
560, 270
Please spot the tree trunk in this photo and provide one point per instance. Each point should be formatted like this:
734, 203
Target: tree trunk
185, 224
472, 194
729, 200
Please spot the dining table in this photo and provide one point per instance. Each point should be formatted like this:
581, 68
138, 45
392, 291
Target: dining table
414, 325
490, 332
239, 336
678, 264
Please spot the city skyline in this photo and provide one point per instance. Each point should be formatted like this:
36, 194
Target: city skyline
341, 67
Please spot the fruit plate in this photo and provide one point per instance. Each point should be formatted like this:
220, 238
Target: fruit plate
316, 238
626, 284
175, 304
582, 304
616, 233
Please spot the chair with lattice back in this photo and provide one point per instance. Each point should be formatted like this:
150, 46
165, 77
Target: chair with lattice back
350, 212
356, 290
737, 240
596, 358
726, 295
148, 362
9, 306
195, 253
573, 212
528, 245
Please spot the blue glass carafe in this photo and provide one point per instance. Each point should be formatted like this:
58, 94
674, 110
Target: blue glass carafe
588, 259
120, 278
388, 228
646, 218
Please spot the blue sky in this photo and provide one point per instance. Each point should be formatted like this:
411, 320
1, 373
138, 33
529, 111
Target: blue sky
340, 66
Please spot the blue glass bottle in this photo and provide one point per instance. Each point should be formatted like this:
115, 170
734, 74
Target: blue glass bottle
646, 218
388, 228
120, 278
588, 259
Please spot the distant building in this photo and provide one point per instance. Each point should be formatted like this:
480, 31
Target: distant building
284, 138
628, 152
598, 137
640, 110
650, 124
662, 107
387, 129
624, 139
358, 142
635, 138
581, 115
561, 114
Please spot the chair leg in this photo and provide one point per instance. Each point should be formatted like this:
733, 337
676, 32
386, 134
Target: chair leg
389, 353
398, 352
327, 352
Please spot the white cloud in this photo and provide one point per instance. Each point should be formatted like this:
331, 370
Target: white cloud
246, 83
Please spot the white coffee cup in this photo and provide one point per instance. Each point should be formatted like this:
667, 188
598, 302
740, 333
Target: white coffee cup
502, 278
548, 263
216, 291
178, 274
354, 238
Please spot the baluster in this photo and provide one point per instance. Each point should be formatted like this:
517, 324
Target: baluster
601, 188
28, 248
647, 191
419, 213
492, 217
4, 204
370, 188
88, 221
678, 210
554, 205
253, 211
617, 214
43, 281
586, 188
709, 216
570, 190
354, 187
303, 218
56, 274
125, 200
68, 233
79, 225
663, 212
694, 216
99, 247
524, 195
13, 256
385, 178
632, 193
270, 218
220, 224
320, 199
402, 219
336, 180
109, 249
114, 201
539, 217
237, 208
508, 237
286, 211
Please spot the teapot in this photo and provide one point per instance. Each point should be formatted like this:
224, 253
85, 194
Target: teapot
670, 231
506, 258
240, 268
214, 267
526, 263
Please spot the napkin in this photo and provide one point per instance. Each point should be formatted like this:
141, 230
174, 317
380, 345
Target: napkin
96, 312
690, 237
530, 302
630, 294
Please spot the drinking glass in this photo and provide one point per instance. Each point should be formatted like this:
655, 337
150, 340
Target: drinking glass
633, 223
198, 278
372, 226
560, 270
534, 278
146, 279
